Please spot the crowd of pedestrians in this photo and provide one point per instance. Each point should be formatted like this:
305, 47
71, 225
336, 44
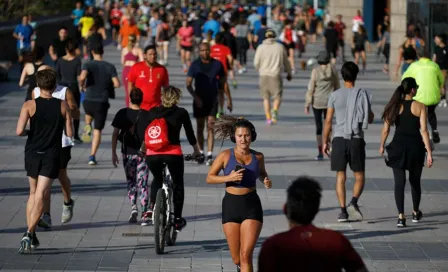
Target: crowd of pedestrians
213, 44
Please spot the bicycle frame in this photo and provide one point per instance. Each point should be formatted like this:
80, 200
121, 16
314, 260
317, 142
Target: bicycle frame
167, 189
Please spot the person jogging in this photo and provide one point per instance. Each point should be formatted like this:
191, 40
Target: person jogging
47, 117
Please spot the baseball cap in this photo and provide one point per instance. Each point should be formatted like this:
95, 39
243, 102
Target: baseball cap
270, 33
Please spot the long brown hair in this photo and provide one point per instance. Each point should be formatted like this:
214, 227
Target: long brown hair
392, 108
225, 127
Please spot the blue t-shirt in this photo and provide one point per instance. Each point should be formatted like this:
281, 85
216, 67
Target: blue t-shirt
212, 25
257, 26
26, 31
78, 13
206, 78
88, 3
261, 10
153, 24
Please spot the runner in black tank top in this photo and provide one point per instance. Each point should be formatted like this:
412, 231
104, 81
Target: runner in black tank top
32, 81
47, 117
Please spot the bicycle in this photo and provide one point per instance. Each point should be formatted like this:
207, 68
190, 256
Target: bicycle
163, 215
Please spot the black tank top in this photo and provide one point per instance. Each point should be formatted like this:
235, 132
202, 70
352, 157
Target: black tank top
95, 39
407, 124
409, 53
46, 127
32, 78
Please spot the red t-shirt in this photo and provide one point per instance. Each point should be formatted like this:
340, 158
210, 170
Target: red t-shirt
310, 248
115, 15
220, 52
150, 81
340, 29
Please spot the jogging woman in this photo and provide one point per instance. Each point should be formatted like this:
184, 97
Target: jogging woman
30, 70
171, 154
242, 214
360, 40
163, 39
408, 147
130, 55
324, 80
135, 167
185, 36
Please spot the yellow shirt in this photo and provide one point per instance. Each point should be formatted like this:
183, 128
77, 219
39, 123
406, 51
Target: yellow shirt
87, 23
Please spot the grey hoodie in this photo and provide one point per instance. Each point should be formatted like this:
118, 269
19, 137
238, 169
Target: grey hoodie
324, 80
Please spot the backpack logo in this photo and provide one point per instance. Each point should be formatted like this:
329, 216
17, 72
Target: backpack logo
154, 132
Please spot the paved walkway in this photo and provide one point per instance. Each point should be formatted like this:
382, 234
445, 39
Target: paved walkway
100, 239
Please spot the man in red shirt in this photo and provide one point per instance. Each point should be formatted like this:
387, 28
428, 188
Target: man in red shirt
305, 247
340, 27
149, 76
221, 52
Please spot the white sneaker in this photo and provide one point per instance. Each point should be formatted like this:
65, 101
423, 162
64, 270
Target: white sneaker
67, 212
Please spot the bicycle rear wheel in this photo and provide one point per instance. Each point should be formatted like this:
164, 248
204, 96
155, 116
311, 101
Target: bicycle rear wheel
171, 236
160, 221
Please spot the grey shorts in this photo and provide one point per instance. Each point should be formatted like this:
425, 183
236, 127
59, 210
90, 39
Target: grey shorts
271, 86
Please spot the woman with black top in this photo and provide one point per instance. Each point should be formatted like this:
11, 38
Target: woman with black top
135, 167
406, 55
408, 147
172, 154
242, 214
30, 70
47, 117
68, 69
97, 35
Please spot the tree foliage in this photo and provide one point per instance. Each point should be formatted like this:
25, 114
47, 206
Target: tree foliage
14, 9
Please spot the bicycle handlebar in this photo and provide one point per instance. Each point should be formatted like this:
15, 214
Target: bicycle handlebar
190, 157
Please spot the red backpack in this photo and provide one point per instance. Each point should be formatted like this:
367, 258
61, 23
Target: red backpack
156, 135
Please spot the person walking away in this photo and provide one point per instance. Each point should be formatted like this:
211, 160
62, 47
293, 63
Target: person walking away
409, 145
230, 42
242, 43
150, 77
68, 70
163, 39
430, 81
331, 41
385, 45
212, 24
57, 48
324, 80
270, 58
65, 94
340, 28
85, 24
242, 213
353, 109
98, 79
154, 23
284, 250
441, 58
97, 35
260, 35
130, 55
360, 40
30, 70
76, 16
23, 34
209, 78
115, 18
289, 39
406, 56
47, 117
135, 167
186, 36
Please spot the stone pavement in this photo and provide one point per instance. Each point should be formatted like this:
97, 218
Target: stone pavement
100, 239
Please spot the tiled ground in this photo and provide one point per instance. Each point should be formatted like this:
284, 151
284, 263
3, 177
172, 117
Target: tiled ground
100, 239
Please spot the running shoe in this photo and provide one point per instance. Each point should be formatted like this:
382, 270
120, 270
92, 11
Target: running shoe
87, 134
209, 160
268, 122
25, 244
235, 84
354, 213
45, 221
133, 216
179, 224
67, 212
343, 217
146, 219
416, 217
274, 116
34, 241
401, 222
92, 160
319, 157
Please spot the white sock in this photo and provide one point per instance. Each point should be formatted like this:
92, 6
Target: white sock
209, 153
202, 151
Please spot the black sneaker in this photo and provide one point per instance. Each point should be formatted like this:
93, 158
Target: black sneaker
435, 137
416, 217
238, 268
343, 217
34, 241
354, 213
209, 160
401, 223
25, 244
179, 224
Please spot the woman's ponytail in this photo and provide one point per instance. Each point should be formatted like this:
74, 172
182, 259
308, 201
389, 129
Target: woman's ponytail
392, 108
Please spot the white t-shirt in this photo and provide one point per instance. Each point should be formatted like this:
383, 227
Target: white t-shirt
59, 93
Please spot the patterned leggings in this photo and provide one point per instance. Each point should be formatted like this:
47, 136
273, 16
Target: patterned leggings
136, 171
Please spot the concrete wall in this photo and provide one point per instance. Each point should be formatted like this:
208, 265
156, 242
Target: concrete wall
348, 9
398, 11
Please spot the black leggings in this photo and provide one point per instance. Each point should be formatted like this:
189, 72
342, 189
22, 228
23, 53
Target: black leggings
432, 118
176, 167
242, 47
318, 119
400, 181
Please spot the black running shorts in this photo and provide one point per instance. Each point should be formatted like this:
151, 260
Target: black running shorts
46, 166
209, 108
98, 111
65, 156
352, 152
237, 208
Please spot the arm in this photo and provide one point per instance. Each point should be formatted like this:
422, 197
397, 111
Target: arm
328, 125
190, 86
82, 79
384, 134
23, 75
263, 172
72, 104
400, 59
123, 54
114, 146
23, 120
140, 55
103, 33
116, 82
257, 58
218, 164
68, 119
336, 82
434, 57
424, 129
52, 53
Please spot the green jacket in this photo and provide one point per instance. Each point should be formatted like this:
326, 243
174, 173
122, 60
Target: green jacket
429, 79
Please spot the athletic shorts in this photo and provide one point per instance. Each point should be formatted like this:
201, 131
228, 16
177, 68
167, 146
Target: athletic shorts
98, 111
237, 208
187, 48
360, 48
116, 27
39, 165
209, 108
65, 156
271, 86
352, 152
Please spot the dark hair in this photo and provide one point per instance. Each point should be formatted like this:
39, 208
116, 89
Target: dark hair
136, 96
226, 126
46, 79
63, 28
71, 46
303, 200
39, 53
149, 47
264, 21
331, 24
349, 71
442, 36
226, 26
98, 49
392, 108
219, 38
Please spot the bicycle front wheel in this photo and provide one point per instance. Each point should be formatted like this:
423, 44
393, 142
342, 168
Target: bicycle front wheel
160, 221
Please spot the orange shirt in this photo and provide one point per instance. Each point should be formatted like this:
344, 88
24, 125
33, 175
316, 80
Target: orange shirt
150, 81
221, 52
125, 31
